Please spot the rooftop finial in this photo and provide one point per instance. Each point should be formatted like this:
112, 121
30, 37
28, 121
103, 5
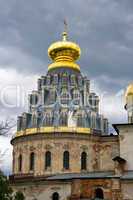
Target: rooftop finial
64, 34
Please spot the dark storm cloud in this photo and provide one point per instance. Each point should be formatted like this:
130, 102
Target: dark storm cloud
103, 28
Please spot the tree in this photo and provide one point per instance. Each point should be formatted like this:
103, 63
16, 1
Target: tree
5, 189
6, 192
19, 196
6, 126
5, 130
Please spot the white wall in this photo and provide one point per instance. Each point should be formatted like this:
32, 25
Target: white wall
126, 145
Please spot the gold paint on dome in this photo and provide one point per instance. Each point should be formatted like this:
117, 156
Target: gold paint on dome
64, 54
129, 90
49, 130
64, 64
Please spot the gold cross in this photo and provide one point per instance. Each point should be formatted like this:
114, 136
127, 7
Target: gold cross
64, 34
65, 25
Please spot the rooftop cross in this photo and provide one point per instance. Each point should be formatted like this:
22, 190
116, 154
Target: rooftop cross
64, 34
65, 25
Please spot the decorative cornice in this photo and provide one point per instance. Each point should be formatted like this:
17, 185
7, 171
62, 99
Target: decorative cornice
71, 136
49, 130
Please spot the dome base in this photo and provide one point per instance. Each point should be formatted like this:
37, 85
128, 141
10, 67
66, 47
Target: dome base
65, 64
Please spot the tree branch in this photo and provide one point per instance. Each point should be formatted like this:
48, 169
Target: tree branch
6, 126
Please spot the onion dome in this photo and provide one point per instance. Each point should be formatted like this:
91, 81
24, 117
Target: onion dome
129, 95
129, 91
64, 54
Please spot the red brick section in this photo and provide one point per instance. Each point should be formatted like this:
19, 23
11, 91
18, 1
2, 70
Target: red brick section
85, 189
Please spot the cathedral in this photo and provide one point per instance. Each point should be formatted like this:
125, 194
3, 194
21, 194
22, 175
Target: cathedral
62, 149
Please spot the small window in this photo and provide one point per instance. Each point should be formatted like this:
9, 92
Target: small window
99, 194
66, 160
63, 119
47, 159
83, 161
48, 119
34, 121
76, 94
32, 161
64, 97
55, 196
20, 163
79, 120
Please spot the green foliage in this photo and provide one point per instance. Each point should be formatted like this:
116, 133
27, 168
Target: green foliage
19, 196
6, 192
5, 189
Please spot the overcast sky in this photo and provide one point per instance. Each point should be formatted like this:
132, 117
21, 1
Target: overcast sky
102, 28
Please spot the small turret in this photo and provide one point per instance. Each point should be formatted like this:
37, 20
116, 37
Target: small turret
129, 102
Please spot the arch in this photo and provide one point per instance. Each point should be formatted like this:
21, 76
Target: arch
93, 120
83, 161
34, 120
79, 120
32, 161
64, 97
76, 94
99, 193
52, 96
63, 119
66, 160
48, 119
55, 196
47, 159
20, 163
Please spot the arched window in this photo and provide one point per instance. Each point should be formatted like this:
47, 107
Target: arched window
47, 159
66, 160
79, 120
83, 161
63, 119
52, 96
76, 94
20, 163
48, 119
55, 196
93, 121
34, 120
99, 193
73, 79
64, 97
32, 161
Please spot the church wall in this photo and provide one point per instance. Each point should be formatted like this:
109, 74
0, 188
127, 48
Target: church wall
87, 189
99, 154
126, 145
75, 189
108, 150
127, 190
44, 191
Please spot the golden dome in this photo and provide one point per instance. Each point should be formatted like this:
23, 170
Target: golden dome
129, 90
64, 54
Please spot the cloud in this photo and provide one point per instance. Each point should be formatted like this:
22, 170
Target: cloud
12, 104
17, 59
6, 152
111, 103
103, 29
14, 89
